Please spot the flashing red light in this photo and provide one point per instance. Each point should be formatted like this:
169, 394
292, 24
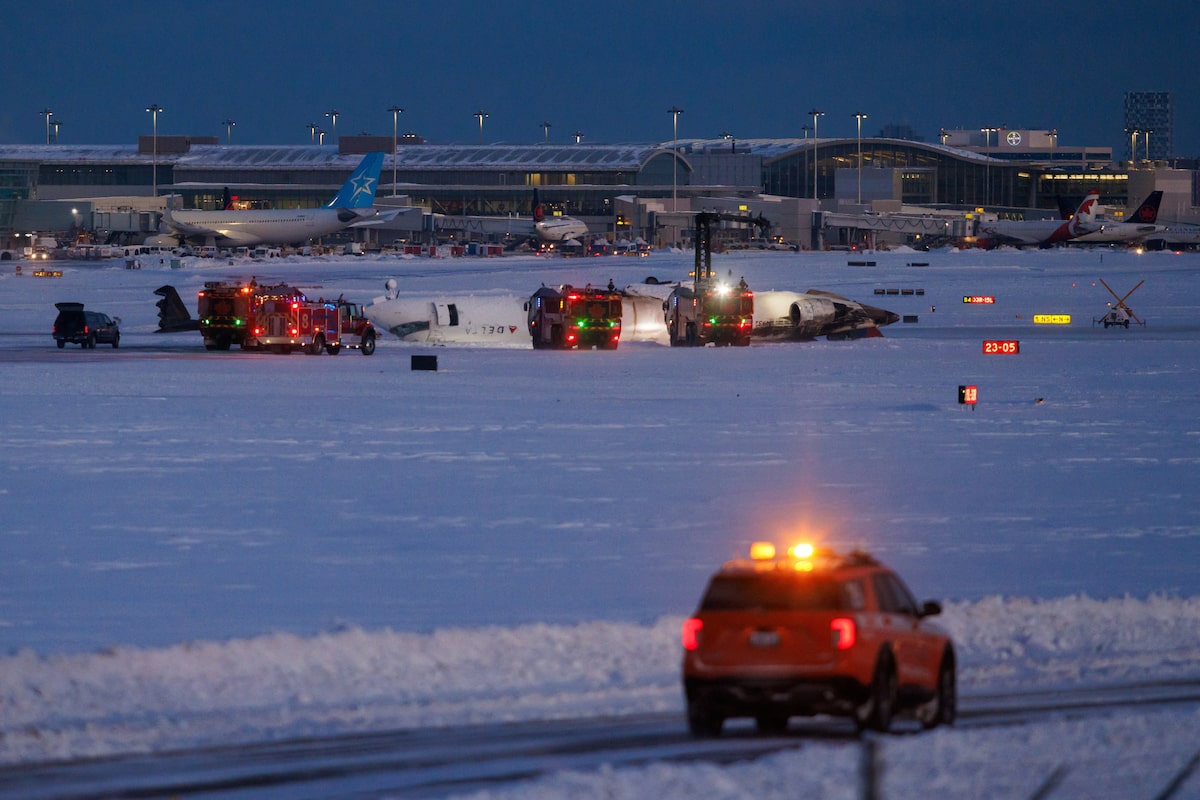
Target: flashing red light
691, 633
845, 634
295, 305
295, 332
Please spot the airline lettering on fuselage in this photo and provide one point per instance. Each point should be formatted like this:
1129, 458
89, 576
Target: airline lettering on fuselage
490, 330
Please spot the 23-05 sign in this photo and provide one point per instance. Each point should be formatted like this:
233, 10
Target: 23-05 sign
1001, 347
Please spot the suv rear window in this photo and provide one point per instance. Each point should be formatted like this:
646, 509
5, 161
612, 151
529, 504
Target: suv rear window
785, 592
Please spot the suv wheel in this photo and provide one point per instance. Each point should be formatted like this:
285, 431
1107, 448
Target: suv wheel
116, 340
880, 707
702, 721
943, 708
771, 724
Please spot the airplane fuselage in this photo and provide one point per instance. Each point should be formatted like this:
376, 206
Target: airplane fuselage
1118, 232
266, 226
500, 320
560, 229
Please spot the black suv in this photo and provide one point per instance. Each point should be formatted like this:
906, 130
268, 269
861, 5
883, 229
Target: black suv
86, 328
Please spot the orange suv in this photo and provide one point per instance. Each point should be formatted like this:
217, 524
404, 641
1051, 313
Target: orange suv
812, 632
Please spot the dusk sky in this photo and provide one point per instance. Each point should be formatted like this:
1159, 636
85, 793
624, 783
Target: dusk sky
609, 70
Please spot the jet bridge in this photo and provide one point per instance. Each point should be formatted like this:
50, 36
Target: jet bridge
852, 228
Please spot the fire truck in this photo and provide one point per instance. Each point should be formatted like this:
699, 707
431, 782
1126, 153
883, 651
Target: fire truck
224, 311
568, 318
711, 311
287, 321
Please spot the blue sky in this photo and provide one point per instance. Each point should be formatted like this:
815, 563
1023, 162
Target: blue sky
610, 70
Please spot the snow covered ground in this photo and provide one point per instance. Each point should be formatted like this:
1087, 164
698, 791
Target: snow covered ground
211, 547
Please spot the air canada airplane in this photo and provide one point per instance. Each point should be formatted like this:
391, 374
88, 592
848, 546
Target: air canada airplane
501, 320
1141, 223
353, 206
550, 230
1045, 232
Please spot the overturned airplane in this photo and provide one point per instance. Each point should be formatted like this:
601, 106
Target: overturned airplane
501, 319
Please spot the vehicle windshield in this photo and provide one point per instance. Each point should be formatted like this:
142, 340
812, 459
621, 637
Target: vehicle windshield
729, 304
785, 592
596, 309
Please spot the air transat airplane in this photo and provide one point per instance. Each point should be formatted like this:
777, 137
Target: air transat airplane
1045, 232
501, 320
352, 206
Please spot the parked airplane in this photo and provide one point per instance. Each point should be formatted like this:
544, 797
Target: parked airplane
352, 206
1044, 232
501, 320
1141, 224
553, 230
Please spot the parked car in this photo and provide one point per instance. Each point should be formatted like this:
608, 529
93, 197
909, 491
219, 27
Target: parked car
87, 328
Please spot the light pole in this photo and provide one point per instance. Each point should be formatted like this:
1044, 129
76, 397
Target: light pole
578, 137
228, 123
480, 115
47, 113
1133, 132
858, 115
333, 115
546, 128
312, 132
1053, 144
815, 113
56, 124
396, 112
1146, 134
321, 137
153, 110
674, 111
987, 168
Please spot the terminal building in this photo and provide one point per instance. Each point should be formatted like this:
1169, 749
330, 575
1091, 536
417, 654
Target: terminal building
813, 192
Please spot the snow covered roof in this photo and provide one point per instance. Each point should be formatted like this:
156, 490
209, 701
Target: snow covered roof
424, 156
518, 156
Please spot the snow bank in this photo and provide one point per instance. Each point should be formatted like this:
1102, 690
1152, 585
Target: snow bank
282, 685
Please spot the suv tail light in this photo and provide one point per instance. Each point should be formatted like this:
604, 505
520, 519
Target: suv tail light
691, 633
845, 634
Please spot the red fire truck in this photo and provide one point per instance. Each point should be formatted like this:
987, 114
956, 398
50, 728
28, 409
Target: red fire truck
567, 318
224, 311
280, 318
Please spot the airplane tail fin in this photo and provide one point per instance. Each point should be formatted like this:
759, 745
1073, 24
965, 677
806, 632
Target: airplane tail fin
537, 207
226, 200
1147, 212
1085, 216
359, 189
173, 315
